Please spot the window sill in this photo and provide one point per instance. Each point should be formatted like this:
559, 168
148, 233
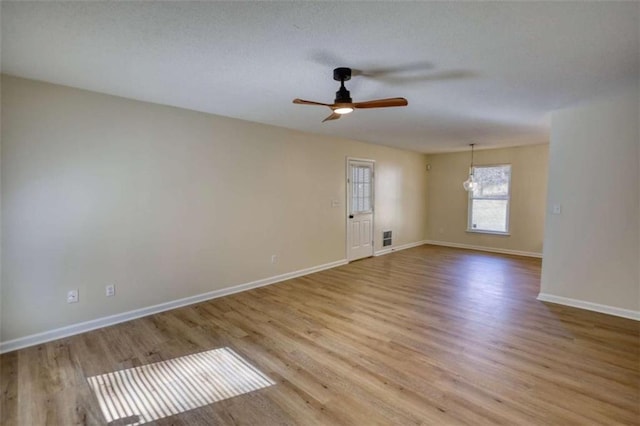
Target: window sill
477, 231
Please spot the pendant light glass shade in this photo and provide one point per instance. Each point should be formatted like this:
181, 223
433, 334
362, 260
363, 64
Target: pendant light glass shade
470, 184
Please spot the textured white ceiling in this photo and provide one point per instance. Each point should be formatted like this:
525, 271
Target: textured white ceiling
483, 72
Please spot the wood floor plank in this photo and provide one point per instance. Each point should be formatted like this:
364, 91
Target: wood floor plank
429, 335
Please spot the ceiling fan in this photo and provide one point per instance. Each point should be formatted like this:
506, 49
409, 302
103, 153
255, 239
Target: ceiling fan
343, 103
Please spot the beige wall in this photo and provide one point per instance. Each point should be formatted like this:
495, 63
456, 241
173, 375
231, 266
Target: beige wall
448, 201
591, 250
167, 203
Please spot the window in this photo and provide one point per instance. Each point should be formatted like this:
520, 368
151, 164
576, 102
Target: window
489, 202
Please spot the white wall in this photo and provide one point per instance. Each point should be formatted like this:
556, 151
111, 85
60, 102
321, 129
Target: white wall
448, 201
168, 203
591, 250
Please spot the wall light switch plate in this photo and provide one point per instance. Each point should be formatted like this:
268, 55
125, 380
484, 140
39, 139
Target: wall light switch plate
110, 290
556, 209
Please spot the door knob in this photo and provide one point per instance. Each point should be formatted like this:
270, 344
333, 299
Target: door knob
350, 216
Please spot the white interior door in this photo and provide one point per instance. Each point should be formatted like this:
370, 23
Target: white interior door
360, 188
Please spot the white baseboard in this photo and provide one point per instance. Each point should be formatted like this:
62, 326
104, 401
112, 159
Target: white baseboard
590, 306
483, 248
70, 330
400, 247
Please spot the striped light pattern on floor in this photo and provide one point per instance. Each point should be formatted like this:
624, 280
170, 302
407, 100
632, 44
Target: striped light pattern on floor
142, 394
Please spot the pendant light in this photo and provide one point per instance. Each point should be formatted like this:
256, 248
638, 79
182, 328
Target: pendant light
470, 184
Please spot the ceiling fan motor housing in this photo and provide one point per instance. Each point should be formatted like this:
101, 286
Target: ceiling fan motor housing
343, 96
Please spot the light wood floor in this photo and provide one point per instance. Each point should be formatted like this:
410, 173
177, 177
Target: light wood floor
429, 335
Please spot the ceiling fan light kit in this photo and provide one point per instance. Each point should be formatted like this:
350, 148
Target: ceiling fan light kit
343, 104
343, 110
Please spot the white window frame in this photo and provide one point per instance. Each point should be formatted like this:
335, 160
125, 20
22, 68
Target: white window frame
470, 204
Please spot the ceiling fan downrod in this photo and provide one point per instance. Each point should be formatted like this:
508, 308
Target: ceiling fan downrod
342, 95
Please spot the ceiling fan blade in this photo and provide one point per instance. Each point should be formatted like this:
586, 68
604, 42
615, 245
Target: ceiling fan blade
382, 103
303, 102
409, 68
328, 58
333, 116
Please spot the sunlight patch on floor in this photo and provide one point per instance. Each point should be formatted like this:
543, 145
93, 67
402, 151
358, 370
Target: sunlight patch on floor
142, 394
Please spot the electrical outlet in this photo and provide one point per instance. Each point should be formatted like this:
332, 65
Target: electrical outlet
72, 296
274, 259
110, 290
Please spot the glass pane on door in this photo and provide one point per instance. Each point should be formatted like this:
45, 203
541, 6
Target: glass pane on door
360, 189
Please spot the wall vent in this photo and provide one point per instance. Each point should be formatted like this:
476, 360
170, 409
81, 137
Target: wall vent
386, 238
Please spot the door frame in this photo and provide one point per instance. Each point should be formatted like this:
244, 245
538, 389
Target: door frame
348, 203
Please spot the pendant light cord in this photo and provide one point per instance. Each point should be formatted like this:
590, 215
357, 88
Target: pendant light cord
472, 145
